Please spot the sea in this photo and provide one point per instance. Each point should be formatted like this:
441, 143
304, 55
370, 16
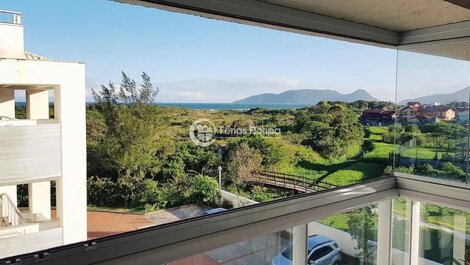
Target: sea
231, 106
221, 106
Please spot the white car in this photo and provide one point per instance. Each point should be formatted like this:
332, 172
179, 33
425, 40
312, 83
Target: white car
321, 250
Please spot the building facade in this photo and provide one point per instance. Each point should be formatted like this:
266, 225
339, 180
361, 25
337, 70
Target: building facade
46, 149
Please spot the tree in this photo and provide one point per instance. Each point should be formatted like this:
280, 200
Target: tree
332, 130
129, 144
362, 227
243, 162
271, 153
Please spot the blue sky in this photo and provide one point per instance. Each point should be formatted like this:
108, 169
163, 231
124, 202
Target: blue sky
194, 59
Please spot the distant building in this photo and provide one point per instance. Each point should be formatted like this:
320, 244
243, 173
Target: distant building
416, 112
439, 112
411, 112
378, 117
462, 116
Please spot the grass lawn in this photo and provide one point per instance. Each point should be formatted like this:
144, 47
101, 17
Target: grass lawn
380, 151
375, 137
377, 130
339, 221
356, 172
422, 153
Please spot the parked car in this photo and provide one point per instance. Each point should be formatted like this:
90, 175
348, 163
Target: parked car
321, 250
213, 211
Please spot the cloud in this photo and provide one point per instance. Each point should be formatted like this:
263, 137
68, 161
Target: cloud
220, 90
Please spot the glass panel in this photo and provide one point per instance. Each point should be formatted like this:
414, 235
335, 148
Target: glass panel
444, 235
355, 232
273, 249
431, 133
401, 224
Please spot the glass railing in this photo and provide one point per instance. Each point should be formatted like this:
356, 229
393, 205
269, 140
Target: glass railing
9, 17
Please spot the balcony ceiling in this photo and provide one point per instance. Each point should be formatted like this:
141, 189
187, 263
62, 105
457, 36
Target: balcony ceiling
385, 23
396, 15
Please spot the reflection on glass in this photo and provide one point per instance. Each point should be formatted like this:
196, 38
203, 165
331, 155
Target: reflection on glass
355, 232
431, 132
401, 231
263, 250
444, 235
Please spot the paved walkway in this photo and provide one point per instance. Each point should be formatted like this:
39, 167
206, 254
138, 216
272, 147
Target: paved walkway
102, 224
175, 214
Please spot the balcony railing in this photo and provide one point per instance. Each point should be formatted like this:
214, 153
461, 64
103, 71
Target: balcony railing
29, 152
10, 17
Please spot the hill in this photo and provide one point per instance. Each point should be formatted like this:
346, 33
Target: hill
461, 95
307, 96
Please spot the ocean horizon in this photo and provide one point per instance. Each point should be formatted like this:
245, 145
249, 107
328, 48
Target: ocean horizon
221, 106
232, 106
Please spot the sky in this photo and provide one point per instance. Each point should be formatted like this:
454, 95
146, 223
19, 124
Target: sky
195, 59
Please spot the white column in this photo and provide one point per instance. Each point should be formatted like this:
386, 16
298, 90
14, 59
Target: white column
299, 244
384, 233
39, 193
69, 102
7, 102
414, 231
37, 104
460, 222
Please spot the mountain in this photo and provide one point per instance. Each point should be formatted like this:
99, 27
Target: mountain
307, 96
461, 95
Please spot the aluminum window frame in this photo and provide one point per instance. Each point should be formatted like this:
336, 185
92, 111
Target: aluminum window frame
164, 243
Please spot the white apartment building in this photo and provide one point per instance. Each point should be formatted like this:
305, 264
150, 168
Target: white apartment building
40, 150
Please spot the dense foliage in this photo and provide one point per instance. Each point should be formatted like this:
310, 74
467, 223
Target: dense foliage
332, 130
140, 155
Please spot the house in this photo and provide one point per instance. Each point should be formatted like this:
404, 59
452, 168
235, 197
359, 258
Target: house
416, 112
378, 117
411, 112
40, 151
439, 112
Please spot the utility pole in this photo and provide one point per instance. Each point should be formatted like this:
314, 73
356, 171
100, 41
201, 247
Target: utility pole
220, 178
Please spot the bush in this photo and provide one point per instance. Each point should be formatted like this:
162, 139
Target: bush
203, 189
152, 195
126, 192
453, 170
190, 190
406, 170
388, 171
101, 192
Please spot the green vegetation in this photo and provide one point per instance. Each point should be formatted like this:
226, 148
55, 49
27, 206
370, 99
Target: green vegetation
140, 155
356, 172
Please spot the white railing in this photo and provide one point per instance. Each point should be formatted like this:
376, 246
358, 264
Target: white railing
9, 212
10, 17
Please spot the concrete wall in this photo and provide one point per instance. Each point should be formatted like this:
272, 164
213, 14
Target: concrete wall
11, 41
235, 200
30, 242
7, 102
